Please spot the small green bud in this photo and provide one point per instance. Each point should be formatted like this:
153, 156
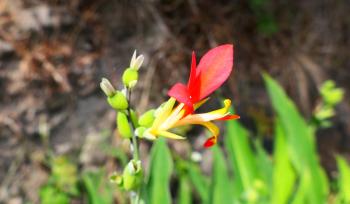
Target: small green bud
324, 113
330, 93
134, 118
132, 175
123, 125
130, 77
139, 131
117, 179
118, 101
107, 87
147, 118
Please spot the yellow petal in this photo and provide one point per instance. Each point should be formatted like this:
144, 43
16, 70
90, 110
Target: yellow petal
200, 103
175, 115
164, 113
211, 127
170, 135
205, 117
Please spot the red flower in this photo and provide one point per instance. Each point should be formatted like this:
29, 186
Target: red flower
213, 70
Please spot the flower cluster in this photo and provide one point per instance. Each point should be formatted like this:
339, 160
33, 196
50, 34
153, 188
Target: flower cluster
181, 109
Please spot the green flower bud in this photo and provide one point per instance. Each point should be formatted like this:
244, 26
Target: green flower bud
134, 118
130, 77
147, 118
139, 131
123, 125
117, 179
330, 93
107, 87
132, 175
324, 113
118, 101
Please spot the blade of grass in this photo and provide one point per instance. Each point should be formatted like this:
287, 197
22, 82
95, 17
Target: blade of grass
283, 173
343, 180
185, 192
301, 147
161, 167
220, 184
199, 181
241, 157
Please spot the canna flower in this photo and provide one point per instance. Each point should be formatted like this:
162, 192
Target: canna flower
213, 70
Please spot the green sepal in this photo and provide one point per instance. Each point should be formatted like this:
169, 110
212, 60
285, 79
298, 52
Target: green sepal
123, 125
130, 77
134, 118
118, 101
132, 175
147, 118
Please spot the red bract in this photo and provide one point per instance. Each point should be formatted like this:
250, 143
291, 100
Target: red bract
213, 70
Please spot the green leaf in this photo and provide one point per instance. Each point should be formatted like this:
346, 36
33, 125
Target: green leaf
220, 184
185, 195
241, 156
301, 144
283, 173
199, 181
51, 195
161, 167
343, 180
97, 187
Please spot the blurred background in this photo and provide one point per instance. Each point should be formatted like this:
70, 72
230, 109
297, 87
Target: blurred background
53, 54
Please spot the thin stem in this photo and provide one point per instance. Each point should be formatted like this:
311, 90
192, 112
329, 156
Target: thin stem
135, 197
133, 138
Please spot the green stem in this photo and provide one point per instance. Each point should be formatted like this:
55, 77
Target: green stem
135, 199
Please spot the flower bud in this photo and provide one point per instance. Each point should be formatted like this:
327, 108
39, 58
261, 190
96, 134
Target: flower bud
118, 101
132, 175
139, 131
130, 77
134, 118
136, 62
147, 118
107, 87
331, 94
123, 125
117, 179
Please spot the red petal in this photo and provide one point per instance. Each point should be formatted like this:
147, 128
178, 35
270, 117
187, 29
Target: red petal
210, 142
230, 117
193, 74
193, 82
214, 68
180, 93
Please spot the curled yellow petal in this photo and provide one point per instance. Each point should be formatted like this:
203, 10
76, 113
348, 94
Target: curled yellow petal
205, 117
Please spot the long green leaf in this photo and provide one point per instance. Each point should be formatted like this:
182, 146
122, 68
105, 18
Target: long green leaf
161, 167
301, 147
221, 184
283, 173
98, 189
241, 156
199, 181
343, 180
185, 192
